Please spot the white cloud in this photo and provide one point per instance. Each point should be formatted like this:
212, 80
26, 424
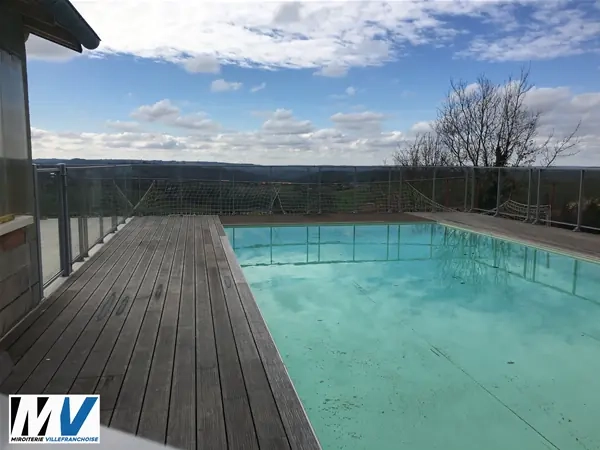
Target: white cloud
549, 31
38, 48
422, 127
354, 138
123, 125
288, 13
259, 87
160, 110
331, 37
221, 85
202, 64
332, 71
165, 112
283, 122
362, 122
350, 91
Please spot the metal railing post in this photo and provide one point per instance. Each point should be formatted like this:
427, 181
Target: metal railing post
64, 225
82, 225
308, 192
81, 233
271, 185
580, 201
466, 189
389, 196
233, 193
180, 191
400, 194
355, 191
101, 212
319, 189
36, 205
537, 200
115, 212
529, 172
433, 192
498, 192
473, 185
220, 191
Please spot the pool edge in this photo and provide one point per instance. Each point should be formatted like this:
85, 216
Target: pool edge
293, 428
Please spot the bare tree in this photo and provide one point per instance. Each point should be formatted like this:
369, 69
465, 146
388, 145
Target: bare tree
425, 150
487, 124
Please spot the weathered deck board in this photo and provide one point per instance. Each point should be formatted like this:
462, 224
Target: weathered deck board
155, 409
101, 352
85, 320
16, 343
111, 310
162, 324
269, 427
181, 428
48, 328
298, 428
238, 417
209, 402
134, 376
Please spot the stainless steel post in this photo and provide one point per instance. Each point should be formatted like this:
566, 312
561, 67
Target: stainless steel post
498, 192
37, 218
389, 196
308, 191
473, 191
466, 190
115, 211
580, 201
433, 196
529, 173
220, 191
64, 225
233, 192
81, 234
101, 211
355, 191
319, 188
400, 193
537, 200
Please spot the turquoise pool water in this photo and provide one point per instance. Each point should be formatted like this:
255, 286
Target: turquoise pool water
424, 337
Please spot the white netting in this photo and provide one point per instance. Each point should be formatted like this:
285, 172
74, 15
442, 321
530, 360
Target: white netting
517, 210
228, 198
412, 200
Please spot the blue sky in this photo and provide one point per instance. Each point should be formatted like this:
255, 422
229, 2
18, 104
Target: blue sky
302, 82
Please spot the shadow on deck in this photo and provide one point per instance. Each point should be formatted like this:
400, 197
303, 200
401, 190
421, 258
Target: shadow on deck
162, 324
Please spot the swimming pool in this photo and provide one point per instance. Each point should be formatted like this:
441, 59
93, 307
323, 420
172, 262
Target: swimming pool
421, 336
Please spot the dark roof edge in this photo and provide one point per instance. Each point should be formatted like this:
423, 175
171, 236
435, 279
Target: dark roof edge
69, 18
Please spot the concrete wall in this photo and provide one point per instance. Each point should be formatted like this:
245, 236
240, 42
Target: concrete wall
19, 274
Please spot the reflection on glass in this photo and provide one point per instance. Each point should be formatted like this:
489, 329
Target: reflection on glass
15, 168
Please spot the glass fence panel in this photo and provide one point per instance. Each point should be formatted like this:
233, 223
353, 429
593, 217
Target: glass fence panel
590, 199
48, 180
100, 198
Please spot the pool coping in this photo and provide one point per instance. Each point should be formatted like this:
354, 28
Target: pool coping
320, 219
299, 425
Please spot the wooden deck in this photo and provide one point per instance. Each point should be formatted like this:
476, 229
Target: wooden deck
162, 324
575, 243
